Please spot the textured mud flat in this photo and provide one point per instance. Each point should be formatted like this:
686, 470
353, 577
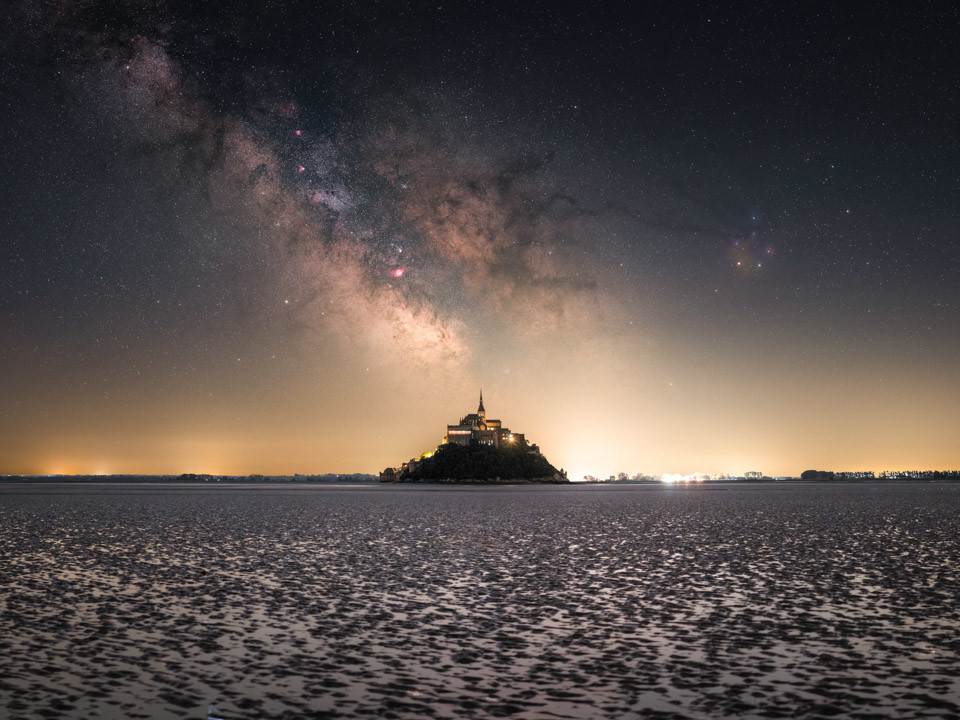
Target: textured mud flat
527, 602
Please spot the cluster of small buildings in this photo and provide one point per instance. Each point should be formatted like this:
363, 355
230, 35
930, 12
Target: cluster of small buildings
670, 478
900, 475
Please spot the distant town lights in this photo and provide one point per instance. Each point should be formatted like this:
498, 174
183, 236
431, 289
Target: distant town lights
672, 478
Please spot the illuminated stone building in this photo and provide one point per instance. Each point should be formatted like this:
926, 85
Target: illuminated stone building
476, 427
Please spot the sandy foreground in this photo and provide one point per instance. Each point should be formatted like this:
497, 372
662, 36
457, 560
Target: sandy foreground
528, 602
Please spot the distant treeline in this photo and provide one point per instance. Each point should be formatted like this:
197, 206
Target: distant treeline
195, 478
885, 475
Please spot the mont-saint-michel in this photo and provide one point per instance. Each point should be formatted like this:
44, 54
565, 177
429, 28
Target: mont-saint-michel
478, 449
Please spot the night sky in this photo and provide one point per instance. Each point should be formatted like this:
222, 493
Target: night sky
278, 237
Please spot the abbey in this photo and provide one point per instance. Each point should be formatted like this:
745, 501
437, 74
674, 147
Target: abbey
478, 450
475, 427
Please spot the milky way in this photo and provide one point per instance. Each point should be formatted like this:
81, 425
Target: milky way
381, 229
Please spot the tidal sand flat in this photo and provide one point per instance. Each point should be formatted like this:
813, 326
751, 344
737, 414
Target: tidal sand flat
767, 601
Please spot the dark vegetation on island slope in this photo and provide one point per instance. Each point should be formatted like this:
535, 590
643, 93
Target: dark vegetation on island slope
483, 463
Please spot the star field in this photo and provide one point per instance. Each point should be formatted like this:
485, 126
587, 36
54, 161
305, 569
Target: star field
288, 236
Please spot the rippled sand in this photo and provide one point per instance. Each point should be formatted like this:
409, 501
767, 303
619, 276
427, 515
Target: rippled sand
528, 602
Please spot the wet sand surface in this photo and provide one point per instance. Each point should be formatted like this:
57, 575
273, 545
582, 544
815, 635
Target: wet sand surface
755, 601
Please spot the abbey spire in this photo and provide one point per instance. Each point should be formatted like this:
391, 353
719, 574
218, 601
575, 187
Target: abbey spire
478, 428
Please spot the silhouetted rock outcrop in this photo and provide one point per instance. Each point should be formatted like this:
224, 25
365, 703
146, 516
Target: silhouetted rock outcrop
484, 464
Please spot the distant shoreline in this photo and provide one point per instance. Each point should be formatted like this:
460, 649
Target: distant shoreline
361, 479
328, 479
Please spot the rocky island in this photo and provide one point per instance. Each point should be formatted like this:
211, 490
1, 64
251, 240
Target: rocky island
478, 450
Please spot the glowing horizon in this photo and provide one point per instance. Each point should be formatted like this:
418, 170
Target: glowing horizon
221, 264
